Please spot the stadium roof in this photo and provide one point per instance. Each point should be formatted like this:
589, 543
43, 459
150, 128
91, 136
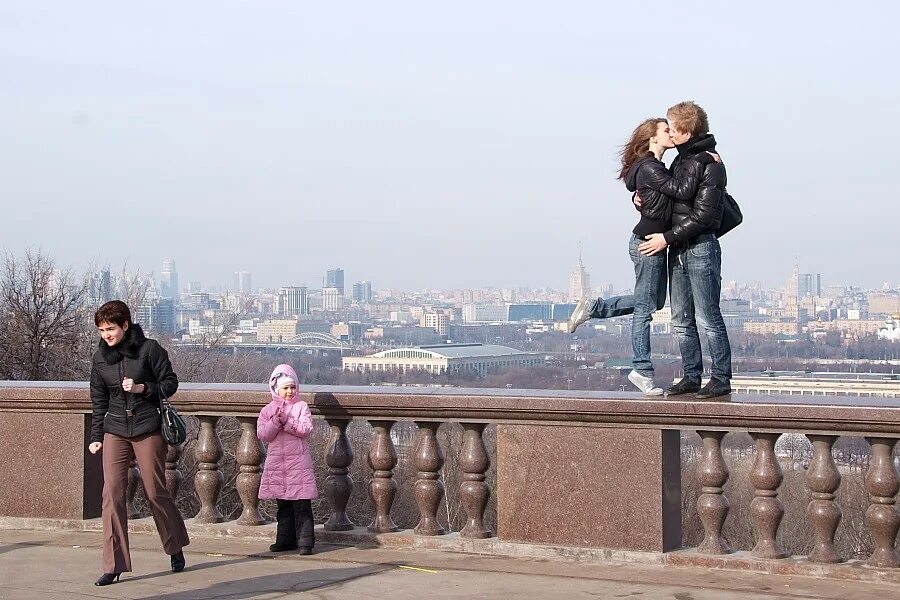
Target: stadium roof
454, 351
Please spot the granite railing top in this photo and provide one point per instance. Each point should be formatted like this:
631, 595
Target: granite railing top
807, 414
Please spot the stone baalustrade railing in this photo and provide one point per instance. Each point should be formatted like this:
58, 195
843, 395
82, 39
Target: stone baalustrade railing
580, 470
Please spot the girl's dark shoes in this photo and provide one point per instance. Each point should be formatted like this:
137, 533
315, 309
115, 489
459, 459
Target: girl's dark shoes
178, 562
276, 547
107, 578
304, 550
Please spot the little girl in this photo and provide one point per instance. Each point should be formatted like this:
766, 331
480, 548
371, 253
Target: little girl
285, 423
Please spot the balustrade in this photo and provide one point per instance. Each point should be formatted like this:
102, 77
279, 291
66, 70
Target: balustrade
766, 512
712, 505
208, 480
823, 480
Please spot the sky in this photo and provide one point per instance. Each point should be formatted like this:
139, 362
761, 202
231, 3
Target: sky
425, 145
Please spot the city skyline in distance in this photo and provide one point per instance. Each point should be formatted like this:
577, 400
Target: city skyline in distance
796, 281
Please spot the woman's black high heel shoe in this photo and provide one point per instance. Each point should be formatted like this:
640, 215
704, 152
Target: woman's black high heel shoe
178, 562
107, 578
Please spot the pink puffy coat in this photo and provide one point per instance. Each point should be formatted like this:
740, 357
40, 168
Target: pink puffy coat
286, 425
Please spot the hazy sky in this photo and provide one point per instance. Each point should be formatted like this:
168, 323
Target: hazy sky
422, 144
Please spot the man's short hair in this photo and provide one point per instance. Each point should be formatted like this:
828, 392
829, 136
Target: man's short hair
115, 312
688, 116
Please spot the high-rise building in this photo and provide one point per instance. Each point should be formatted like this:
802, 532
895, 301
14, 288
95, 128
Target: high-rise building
809, 284
292, 301
157, 316
242, 283
792, 290
332, 298
101, 287
168, 280
334, 278
579, 281
362, 292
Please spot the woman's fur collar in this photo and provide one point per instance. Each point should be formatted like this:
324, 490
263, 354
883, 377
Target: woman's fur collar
130, 345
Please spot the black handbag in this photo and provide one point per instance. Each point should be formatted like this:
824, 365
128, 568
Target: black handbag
731, 215
174, 429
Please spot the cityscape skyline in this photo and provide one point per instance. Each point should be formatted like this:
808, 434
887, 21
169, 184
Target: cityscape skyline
803, 308
576, 274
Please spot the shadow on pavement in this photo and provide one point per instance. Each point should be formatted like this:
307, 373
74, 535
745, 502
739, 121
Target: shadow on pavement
251, 587
21, 546
211, 564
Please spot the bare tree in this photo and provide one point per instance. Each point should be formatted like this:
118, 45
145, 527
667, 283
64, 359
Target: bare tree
42, 332
132, 287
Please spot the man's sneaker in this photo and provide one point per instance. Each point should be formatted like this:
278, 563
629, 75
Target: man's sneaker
581, 314
685, 386
713, 389
645, 384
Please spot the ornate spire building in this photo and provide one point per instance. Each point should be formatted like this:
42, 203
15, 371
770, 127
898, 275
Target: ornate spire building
579, 280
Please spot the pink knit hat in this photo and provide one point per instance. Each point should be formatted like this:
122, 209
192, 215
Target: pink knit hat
281, 376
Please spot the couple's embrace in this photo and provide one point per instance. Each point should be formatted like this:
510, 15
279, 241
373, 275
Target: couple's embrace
675, 241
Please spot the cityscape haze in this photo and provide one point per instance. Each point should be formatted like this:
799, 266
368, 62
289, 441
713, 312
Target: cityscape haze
429, 147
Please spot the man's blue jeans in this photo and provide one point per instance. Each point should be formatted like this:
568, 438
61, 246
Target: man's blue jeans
695, 277
649, 296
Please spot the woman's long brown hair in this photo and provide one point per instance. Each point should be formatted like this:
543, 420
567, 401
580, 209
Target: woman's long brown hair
638, 146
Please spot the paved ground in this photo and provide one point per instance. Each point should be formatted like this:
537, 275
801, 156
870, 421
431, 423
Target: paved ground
56, 565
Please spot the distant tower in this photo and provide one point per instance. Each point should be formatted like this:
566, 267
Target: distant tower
168, 280
242, 282
579, 280
793, 286
332, 299
362, 292
101, 287
334, 278
292, 301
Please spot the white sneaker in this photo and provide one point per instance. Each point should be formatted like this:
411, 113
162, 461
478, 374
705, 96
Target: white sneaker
581, 314
645, 384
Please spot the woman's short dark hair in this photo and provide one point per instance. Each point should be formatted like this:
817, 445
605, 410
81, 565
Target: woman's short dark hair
114, 311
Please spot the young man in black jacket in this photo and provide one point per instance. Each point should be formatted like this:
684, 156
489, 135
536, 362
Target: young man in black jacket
695, 258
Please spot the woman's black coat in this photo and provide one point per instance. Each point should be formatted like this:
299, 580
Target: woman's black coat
123, 413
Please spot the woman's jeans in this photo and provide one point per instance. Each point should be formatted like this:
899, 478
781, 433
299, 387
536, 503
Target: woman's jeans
650, 277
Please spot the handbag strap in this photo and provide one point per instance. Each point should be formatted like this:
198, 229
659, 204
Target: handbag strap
163, 401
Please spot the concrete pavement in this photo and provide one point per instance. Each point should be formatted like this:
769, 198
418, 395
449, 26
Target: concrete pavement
56, 565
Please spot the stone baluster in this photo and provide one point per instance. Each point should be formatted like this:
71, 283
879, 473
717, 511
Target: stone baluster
428, 458
134, 480
338, 484
473, 491
712, 505
249, 456
208, 480
382, 487
173, 474
823, 480
766, 508
882, 485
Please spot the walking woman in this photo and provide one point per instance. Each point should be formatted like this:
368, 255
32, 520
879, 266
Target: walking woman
643, 172
128, 376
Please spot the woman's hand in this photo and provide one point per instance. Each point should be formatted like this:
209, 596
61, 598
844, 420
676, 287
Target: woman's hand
715, 156
95, 447
129, 385
655, 244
